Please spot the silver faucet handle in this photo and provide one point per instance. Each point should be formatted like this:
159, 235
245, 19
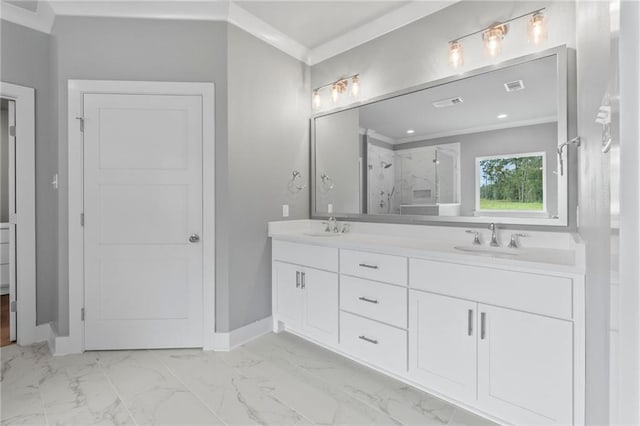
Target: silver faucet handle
513, 243
476, 236
328, 228
345, 228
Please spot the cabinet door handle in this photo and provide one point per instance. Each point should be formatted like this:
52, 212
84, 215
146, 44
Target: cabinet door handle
297, 279
364, 265
303, 282
364, 299
470, 323
366, 339
483, 325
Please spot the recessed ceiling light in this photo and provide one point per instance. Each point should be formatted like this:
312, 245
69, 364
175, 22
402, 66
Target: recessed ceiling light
502, 115
411, 131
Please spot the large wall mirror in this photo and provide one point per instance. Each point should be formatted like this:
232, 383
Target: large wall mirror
480, 147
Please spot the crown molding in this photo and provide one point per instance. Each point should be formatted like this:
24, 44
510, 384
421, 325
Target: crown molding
265, 32
40, 20
220, 10
186, 10
383, 25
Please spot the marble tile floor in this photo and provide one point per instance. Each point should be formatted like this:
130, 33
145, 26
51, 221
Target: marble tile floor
274, 380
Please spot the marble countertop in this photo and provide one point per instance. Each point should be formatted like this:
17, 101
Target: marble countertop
532, 259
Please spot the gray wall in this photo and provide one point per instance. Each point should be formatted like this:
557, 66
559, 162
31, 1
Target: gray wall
136, 49
25, 60
536, 138
593, 53
269, 107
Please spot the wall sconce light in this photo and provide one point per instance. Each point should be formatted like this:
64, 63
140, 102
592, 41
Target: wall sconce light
338, 88
493, 36
456, 58
537, 28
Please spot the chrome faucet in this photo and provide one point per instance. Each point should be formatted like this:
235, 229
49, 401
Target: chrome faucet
476, 237
332, 225
494, 238
514, 240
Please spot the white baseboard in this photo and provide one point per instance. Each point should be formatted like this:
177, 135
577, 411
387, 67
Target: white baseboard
233, 339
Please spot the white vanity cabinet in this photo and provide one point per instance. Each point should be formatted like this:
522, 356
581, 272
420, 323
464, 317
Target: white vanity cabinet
519, 363
496, 338
305, 298
442, 344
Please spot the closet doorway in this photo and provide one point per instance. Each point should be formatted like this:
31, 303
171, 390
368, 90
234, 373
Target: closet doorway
17, 217
7, 228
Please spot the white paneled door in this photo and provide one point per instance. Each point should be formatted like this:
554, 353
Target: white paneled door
143, 220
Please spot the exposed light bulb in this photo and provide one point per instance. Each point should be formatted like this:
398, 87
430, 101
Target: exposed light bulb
537, 28
501, 116
410, 131
492, 38
355, 86
335, 93
317, 101
455, 54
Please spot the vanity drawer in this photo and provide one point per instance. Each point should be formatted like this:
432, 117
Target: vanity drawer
372, 342
305, 254
536, 293
382, 302
374, 266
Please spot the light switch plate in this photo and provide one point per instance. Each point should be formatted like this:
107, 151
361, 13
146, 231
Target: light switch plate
285, 210
330, 208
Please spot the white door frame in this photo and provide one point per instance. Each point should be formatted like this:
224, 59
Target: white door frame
74, 343
25, 215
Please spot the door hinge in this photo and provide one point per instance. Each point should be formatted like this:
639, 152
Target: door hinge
12, 131
82, 314
13, 306
81, 123
81, 219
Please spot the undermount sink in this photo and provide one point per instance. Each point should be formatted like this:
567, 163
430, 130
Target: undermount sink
322, 234
488, 251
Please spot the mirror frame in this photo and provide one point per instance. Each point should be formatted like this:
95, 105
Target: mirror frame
567, 202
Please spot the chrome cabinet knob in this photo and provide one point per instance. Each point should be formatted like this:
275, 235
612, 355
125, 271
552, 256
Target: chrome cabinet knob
194, 238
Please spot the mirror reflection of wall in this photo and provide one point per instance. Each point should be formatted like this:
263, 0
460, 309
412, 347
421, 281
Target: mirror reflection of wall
338, 163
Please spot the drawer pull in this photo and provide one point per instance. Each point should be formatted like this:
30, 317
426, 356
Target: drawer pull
297, 279
303, 281
364, 299
366, 339
470, 323
364, 265
483, 325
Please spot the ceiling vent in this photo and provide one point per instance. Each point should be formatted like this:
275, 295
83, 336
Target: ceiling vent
443, 103
514, 86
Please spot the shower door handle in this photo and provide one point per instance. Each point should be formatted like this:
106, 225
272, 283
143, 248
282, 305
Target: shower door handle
194, 238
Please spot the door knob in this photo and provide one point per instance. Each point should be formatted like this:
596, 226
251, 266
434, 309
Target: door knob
194, 238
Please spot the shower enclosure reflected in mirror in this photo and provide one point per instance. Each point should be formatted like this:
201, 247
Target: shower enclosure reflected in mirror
473, 148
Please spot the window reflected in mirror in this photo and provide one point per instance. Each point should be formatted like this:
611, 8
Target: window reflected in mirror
511, 183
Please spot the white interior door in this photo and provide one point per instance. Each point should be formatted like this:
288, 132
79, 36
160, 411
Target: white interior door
143, 216
12, 222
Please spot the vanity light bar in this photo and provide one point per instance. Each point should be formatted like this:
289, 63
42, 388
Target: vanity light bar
338, 87
493, 35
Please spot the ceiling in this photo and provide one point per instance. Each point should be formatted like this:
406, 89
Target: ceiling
309, 30
484, 98
313, 23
